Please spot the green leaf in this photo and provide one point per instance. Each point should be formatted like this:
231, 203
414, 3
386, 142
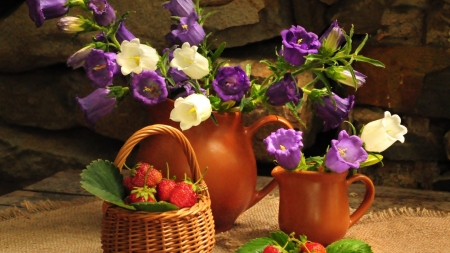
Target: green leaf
349, 245
248, 70
369, 60
255, 246
103, 179
160, 206
360, 47
218, 52
283, 240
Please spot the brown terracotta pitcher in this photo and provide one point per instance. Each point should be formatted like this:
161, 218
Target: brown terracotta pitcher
315, 204
225, 149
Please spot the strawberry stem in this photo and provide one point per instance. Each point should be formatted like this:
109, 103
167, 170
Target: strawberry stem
201, 177
167, 167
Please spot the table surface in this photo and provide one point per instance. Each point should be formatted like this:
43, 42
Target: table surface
65, 187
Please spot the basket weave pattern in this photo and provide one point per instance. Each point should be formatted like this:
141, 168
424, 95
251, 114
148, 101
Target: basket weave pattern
184, 230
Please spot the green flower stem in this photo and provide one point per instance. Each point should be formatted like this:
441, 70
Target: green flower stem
305, 90
114, 40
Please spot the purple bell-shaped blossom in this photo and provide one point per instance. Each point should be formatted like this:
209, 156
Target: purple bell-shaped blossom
188, 30
78, 58
182, 90
41, 10
101, 67
148, 87
284, 91
334, 115
285, 145
103, 12
171, 38
332, 38
178, 76
298, 43
180, 8
123, 33
231, 83
96, 105
345, 152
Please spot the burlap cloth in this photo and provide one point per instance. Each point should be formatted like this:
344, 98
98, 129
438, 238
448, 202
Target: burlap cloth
77, 229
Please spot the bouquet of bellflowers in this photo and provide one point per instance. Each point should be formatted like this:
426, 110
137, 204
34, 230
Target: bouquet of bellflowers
190, 72
348, 151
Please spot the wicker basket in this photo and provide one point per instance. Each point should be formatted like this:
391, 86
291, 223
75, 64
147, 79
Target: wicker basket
184, 230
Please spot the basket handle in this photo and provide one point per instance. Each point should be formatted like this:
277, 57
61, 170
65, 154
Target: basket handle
159, 129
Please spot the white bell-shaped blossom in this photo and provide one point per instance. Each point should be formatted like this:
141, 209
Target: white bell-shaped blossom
188, 60
191, 111
135, 57
380, 134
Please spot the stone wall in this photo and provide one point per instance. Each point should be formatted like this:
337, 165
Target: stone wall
37, 90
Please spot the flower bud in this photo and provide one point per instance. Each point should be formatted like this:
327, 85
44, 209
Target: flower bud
371, 160
343, 75
71, 24
332, 39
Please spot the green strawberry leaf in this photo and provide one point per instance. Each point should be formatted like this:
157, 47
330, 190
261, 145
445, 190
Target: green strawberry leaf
283, 240
160, 206
349, 245
255, 246
103, 179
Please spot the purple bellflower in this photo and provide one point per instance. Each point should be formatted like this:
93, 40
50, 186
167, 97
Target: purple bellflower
231, 83
178, 76
180, 8
182, 90
96, 105
284, 91
298, 43
41, 10
285, 145
148, 87
123, 33
171, 38
334, 115
332, 39
78, 58
101, 67
345, 152
188, 30
103, 12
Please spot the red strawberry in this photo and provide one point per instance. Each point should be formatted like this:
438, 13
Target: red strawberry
141, 194
128, 184
313, 247
271, 249
144, 171
164, 189
183, 195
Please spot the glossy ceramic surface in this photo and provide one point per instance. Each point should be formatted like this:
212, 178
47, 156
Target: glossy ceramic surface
315, 204
225, 149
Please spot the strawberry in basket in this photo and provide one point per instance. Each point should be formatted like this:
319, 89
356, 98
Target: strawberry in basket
144, 174
141, 194
144, 190
184, 194
164, 189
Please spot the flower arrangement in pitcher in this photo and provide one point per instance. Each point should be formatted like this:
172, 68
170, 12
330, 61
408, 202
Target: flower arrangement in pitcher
344, 153
190, 72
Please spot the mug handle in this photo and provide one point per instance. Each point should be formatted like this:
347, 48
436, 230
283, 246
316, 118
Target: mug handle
250, 131
368, 198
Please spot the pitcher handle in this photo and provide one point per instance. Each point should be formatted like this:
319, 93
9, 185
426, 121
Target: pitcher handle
250, 131
368, 197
